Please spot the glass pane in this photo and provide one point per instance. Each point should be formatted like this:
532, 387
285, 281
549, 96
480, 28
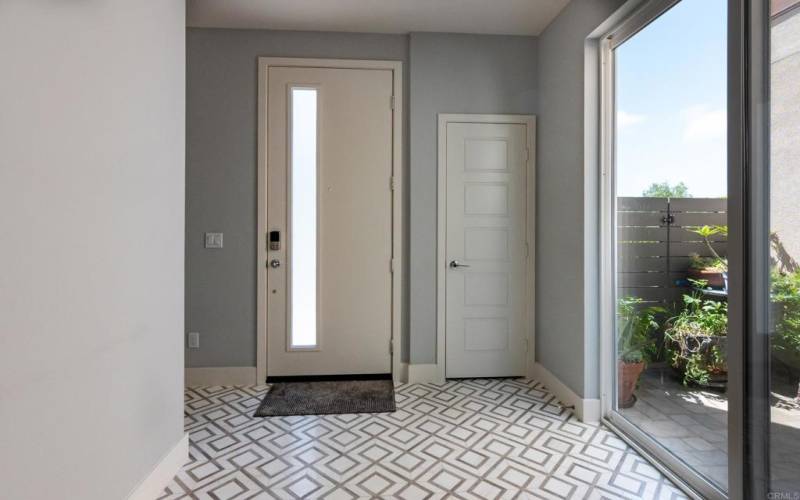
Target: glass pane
785, 250
303, 224
671, 187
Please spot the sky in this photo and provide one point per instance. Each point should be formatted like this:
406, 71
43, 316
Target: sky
671, 102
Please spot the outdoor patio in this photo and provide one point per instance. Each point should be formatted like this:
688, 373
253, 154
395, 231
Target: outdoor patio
692, 423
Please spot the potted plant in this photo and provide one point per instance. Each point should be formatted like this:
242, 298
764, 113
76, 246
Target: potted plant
785, 314
635, 345
713, 270
696, 340
709, 269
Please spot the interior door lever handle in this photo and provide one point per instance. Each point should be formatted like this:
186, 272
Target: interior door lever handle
455, 264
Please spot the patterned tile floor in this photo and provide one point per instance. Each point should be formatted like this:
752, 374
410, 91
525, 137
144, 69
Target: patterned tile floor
468, 439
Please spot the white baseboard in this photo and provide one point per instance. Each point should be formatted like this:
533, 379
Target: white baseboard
400, 374
220, 375
424, 373
587, 410
153, 485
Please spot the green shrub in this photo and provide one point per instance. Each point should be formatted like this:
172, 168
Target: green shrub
637, 325
706, 232
692, 338
786, 301
707, 263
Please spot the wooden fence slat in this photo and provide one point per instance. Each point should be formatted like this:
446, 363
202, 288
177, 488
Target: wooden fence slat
628, 280
640, 204
685, 249
678, 234
698, 204
640, 218
653, 279
628, 250
700, 219
641, 264
663, 295
641, 234
649, 279
678, 263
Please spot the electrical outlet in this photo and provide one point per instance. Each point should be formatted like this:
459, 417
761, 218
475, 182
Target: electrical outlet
213, 240
194, 340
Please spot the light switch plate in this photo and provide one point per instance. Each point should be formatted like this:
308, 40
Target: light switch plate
194, 340
213, 240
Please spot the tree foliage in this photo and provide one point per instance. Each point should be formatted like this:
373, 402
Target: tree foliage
666, 190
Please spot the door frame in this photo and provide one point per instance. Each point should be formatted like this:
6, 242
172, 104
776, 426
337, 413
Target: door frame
396, 67
441, 224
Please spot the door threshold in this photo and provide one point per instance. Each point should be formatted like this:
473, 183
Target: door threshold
328, 378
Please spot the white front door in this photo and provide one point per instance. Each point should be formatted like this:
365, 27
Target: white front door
486, 249
329, 214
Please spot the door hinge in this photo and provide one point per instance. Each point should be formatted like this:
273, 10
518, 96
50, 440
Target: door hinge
391, 265
527, 345
527, 250
391, 183
391, 102
391, 346
527, 154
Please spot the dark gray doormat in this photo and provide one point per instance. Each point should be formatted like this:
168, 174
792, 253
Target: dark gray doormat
327, 397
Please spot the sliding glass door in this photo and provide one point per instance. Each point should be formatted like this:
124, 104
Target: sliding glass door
778, 264
666, 74
764, 247
701, 267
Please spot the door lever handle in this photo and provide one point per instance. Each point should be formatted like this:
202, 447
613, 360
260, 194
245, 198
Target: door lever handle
455, 264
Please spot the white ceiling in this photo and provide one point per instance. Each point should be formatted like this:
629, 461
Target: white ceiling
509, 17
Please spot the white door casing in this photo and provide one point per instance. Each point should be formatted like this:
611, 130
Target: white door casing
485, 245
356, 244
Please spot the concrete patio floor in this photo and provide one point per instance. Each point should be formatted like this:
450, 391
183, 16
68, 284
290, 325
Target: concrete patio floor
691, 423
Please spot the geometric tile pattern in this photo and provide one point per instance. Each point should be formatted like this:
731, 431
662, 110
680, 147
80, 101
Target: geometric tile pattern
465, 439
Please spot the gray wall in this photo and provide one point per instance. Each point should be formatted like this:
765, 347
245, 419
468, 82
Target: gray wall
567, 330
453, 74
448, 73
221, 168
92, 217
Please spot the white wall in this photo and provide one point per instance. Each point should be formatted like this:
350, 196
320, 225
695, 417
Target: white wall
92, 219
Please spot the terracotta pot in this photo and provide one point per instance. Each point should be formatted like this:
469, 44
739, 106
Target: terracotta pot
627, 379
714, 277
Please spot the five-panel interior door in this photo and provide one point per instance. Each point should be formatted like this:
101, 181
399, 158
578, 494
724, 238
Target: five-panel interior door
486, 249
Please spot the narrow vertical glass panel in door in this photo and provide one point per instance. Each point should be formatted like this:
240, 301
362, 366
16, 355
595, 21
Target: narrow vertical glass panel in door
784, 236
303, 219
671, 227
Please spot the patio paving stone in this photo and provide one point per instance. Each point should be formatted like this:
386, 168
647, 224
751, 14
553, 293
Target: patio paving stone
692, 424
